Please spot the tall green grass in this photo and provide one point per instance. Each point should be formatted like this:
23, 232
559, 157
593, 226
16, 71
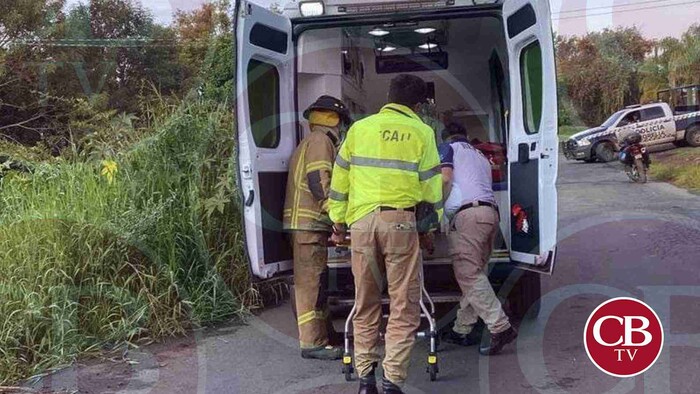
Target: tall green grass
87, 263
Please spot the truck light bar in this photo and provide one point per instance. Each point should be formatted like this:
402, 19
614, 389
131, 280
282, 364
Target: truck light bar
394, 6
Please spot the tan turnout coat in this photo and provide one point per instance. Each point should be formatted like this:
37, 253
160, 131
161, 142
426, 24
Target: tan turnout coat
308, 184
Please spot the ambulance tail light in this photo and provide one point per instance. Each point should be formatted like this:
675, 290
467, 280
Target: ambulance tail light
312, 8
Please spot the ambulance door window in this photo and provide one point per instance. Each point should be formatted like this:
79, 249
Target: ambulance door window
264, 103
531, 77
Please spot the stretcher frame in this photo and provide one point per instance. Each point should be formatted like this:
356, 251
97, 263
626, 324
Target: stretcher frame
431, 333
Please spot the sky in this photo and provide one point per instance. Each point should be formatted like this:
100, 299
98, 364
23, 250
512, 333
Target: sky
655, 18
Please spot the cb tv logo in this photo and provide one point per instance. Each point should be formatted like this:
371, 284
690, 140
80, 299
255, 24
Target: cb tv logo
623, 337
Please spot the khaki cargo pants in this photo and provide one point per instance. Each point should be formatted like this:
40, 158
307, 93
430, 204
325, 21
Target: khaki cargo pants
470, 242
310, 285
385, 250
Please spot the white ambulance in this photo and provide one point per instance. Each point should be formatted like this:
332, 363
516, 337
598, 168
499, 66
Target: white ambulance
489, 66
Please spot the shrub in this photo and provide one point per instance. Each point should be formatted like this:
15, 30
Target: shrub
142, 244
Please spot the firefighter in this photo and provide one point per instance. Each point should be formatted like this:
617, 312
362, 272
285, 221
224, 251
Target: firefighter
473, 211
306, 216
387, 165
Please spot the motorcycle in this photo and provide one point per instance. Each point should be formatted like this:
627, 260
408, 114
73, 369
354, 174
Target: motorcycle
635, 158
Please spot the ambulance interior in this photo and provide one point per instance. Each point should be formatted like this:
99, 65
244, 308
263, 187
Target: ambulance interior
464, 62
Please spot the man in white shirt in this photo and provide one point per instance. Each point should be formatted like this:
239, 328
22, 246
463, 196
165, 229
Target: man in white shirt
474, 218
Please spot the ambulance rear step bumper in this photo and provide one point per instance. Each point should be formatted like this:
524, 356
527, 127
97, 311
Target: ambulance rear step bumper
439, 298
498, 256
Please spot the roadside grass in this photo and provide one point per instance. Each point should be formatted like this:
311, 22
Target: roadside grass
567, 131
680, 167
146, 244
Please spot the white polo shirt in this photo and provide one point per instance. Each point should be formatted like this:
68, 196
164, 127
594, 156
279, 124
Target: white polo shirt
471, 180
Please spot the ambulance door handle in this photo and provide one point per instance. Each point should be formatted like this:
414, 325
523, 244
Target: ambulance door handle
251, 197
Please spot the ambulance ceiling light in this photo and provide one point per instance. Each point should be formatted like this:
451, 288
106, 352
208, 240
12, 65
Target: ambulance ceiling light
427, 45
425, 30
311, 8
388, 48
377, 32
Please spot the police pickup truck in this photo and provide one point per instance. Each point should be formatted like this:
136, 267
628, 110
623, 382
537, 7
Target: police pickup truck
655, 122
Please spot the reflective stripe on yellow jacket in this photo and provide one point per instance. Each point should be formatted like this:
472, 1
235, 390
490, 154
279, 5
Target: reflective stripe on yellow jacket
388, 159
308, 182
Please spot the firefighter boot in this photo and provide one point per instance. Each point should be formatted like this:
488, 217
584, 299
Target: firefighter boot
323, 353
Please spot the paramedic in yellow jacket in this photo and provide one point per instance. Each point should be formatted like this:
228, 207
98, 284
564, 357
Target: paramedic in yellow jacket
387, 166
306, 215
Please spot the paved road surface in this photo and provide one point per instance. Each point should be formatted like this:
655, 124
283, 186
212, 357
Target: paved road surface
616, 238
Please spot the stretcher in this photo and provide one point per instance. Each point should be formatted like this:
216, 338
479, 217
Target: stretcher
431, 333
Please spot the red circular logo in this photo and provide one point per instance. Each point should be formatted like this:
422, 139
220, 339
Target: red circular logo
623, 337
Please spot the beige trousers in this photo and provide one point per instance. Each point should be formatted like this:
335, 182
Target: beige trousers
385, 250
310, 282
470, 242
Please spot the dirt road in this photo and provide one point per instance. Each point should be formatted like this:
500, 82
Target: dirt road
616, 238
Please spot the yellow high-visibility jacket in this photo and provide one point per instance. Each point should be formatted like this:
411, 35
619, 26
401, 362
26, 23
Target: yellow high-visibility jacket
388, 159
309, 180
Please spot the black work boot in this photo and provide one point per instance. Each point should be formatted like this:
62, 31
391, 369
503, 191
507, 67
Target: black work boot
462, 339
368, 383
498, 341
390, 388
323, 353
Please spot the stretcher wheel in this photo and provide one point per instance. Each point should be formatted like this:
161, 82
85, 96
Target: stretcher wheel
347, 371
433, 370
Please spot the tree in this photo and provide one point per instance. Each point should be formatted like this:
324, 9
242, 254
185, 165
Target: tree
684, 62
205, 51
108, 49
600, 71
23, 114
673, 63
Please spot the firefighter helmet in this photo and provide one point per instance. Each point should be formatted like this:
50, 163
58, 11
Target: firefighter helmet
329, 103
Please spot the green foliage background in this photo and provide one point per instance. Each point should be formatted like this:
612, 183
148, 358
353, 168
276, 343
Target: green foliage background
602, 72
90, 260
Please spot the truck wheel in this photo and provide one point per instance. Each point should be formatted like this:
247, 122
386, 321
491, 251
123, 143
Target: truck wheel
692, 135
524, 297
605, 152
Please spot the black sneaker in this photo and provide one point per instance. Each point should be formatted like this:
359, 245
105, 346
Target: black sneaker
498, 341
323, 353
461, 339
390, 388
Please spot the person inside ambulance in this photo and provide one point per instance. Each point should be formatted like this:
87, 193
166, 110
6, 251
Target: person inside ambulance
473, 213
306, 216
386, 167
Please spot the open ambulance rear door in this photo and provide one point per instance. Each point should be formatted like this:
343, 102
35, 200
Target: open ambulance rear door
266, 132
532, 145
